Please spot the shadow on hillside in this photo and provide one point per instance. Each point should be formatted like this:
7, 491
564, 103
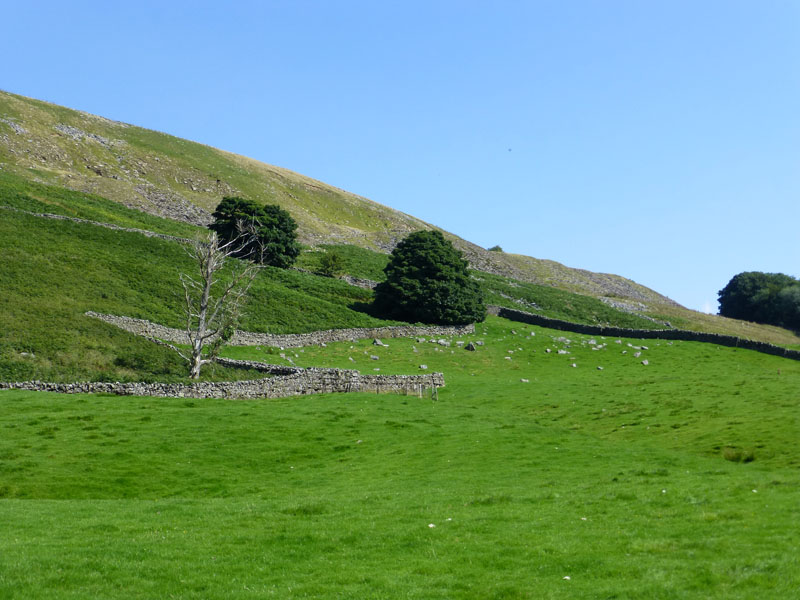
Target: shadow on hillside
366, 308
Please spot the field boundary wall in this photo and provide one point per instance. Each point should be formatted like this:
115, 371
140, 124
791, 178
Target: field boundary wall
661, 334
293, 340
283, 382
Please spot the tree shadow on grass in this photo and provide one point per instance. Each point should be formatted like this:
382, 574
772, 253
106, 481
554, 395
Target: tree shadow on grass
366, 308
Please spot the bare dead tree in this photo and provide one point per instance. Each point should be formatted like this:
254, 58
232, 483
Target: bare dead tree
214, 302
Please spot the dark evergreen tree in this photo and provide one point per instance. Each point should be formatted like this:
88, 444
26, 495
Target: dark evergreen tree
278, 236
427, 282
761, 297
275, 231
789, 302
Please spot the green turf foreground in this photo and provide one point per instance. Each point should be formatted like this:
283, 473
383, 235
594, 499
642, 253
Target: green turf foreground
678, 479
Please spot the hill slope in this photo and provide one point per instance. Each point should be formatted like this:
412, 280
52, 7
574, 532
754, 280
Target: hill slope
169, 177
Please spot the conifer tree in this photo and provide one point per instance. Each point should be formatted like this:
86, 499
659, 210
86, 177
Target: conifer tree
427, 282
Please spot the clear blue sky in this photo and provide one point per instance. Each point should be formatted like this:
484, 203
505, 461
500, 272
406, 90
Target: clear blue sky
655, 140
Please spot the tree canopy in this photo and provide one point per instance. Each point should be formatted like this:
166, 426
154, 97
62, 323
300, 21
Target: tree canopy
427, 282
772, 298
275, 243
331, 264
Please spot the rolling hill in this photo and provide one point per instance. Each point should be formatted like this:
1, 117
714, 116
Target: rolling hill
183, 181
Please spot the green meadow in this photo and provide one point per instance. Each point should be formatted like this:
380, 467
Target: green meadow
675, 479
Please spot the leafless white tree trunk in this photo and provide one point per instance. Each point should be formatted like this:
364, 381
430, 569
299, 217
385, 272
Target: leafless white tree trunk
213, 304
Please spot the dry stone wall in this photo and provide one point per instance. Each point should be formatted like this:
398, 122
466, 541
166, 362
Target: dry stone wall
367, 284
661, 334
287, 381
315, 338
144, 232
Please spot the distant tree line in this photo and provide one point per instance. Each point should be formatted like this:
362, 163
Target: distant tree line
771, 298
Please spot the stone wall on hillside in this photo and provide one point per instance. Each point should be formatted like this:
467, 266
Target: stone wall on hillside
662, 334
297, 340
287, 381
144, 232
367, 284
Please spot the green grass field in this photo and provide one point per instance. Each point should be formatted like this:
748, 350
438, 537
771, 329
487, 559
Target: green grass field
574, 473
629, 482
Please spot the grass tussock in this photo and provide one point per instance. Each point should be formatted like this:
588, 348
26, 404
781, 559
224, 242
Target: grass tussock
738, 455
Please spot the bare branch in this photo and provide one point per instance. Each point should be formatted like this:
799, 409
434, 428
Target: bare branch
212, 312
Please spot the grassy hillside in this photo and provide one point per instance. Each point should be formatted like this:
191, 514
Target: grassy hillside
559, 303
677, 479
171, 177
183, 180
54, 270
